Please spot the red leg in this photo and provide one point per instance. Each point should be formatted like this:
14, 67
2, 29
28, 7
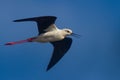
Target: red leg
22, 41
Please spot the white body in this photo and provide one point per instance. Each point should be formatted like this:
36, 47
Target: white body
52, 34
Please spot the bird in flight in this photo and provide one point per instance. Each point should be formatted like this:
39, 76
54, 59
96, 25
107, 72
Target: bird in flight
48, 32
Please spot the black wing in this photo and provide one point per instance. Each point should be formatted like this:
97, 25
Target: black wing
42, 22
60, 48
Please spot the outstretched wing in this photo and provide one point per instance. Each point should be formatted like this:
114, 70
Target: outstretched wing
42, 22
60, 48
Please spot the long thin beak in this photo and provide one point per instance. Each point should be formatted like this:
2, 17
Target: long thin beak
76, 35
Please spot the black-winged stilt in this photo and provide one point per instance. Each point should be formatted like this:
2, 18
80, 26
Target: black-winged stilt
48, 32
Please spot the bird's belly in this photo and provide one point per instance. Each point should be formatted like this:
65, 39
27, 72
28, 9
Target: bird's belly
48, 38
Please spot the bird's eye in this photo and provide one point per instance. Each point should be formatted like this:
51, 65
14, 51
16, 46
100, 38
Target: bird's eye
67, 31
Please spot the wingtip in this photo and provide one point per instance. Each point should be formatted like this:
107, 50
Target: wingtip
14, 20
48, 68
17, 20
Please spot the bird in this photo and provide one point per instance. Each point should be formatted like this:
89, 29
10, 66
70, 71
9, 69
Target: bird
49, 33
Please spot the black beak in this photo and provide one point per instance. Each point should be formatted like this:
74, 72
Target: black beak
75, 35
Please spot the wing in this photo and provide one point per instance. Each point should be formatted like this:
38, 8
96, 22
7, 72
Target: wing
60, 48
42, 22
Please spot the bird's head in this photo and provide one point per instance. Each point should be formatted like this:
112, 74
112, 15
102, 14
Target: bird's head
69, 32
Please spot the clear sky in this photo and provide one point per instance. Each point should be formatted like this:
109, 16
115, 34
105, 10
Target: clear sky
94, 56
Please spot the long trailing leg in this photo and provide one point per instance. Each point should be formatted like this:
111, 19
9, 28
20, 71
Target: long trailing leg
21, 41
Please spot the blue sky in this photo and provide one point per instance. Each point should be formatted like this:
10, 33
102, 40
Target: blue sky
94, 56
